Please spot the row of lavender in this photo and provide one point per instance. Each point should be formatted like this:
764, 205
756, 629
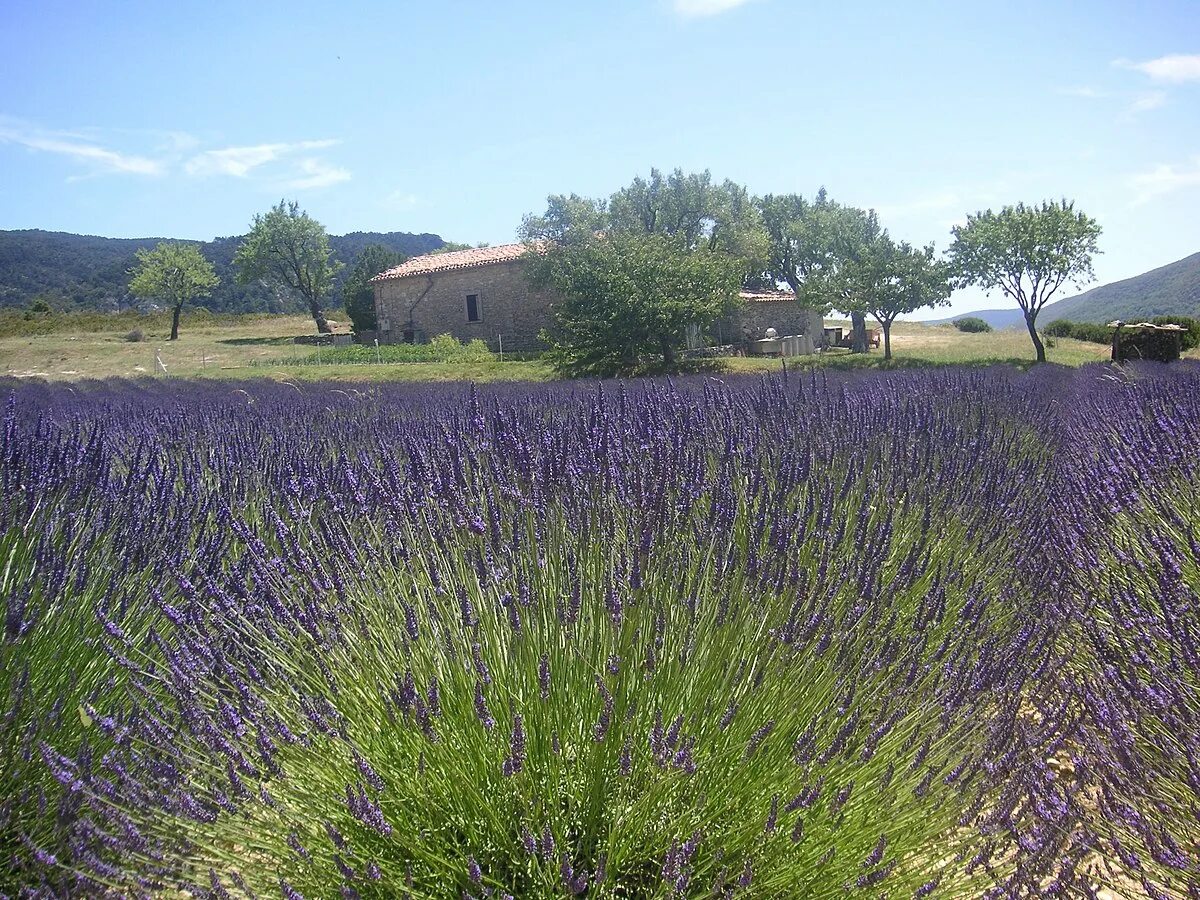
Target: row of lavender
915, 634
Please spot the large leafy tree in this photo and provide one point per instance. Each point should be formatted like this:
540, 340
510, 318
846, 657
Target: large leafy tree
638, 269
357, 294
889, 279
1028, 252
629, 298
287, 248
174, 273
811, 244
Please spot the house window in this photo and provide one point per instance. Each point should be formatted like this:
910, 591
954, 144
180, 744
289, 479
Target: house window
473, 311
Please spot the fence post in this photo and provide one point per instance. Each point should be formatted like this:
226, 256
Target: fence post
500, 340
378, 357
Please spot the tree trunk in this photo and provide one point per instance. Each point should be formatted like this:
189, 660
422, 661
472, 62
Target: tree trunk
887, 339
668, 351
175, 323
1030, 323
858, 332
319, 317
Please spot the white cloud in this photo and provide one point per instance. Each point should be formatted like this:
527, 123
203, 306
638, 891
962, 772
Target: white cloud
1175, 68
315, 173
284, 164
241, 161
697, 8
1166, 179
1148, 101
99, 159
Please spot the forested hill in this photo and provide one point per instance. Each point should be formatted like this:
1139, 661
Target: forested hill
1173, 289
82, 271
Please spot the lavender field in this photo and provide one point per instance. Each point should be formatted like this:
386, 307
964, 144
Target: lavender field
913, 634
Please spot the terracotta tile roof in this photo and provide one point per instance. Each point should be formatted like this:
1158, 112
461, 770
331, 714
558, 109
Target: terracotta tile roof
455, 259
766, 296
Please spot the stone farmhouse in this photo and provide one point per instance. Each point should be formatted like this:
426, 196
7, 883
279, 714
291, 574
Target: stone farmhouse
482, 293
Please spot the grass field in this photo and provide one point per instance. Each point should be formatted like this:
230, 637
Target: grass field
262, 347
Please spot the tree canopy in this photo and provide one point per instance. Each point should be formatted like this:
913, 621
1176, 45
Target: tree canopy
639, 268
629, 298
357, 294
289, 249
174, 273
889, 279
1028, 252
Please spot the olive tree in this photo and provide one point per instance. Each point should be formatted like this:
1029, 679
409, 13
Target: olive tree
288, 248
1028, 252
174, 273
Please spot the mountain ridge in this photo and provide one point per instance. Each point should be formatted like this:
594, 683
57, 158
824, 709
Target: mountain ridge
91, 271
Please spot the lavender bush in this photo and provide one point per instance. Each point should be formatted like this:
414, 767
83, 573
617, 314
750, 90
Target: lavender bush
904, 634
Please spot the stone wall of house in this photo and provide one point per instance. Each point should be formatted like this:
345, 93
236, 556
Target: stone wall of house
433, 304
424, 306
751, 321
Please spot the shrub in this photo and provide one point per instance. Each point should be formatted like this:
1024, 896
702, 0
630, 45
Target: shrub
972, 325
136, 336
1059, 328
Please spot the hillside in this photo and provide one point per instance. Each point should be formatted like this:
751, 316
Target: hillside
1173, 289
83, 271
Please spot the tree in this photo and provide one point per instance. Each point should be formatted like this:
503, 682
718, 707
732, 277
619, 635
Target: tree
288, 248
637, 270
810, 244
628, 297
1028, 252
357, 294
173, 273
889, 280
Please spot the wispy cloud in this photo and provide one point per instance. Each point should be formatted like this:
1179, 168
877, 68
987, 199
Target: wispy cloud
698, 8
1136, 101
241, 161
1148, 101
1176, 68
315, 173
98, 158
1165, 179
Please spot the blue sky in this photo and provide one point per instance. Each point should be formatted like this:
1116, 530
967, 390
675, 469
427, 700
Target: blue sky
185, 119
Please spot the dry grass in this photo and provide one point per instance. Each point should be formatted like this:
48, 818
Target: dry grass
247, 349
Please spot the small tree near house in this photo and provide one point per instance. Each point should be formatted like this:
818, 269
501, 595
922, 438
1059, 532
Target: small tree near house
173, 273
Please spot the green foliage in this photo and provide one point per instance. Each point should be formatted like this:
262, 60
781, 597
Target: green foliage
630, 297
39, 306
806, 242
1027, 252
688, 208
1190, 339
84, 272
1057, 328
289, 249
444, 348
975, 325
1103, 334
173, 273
357, 294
